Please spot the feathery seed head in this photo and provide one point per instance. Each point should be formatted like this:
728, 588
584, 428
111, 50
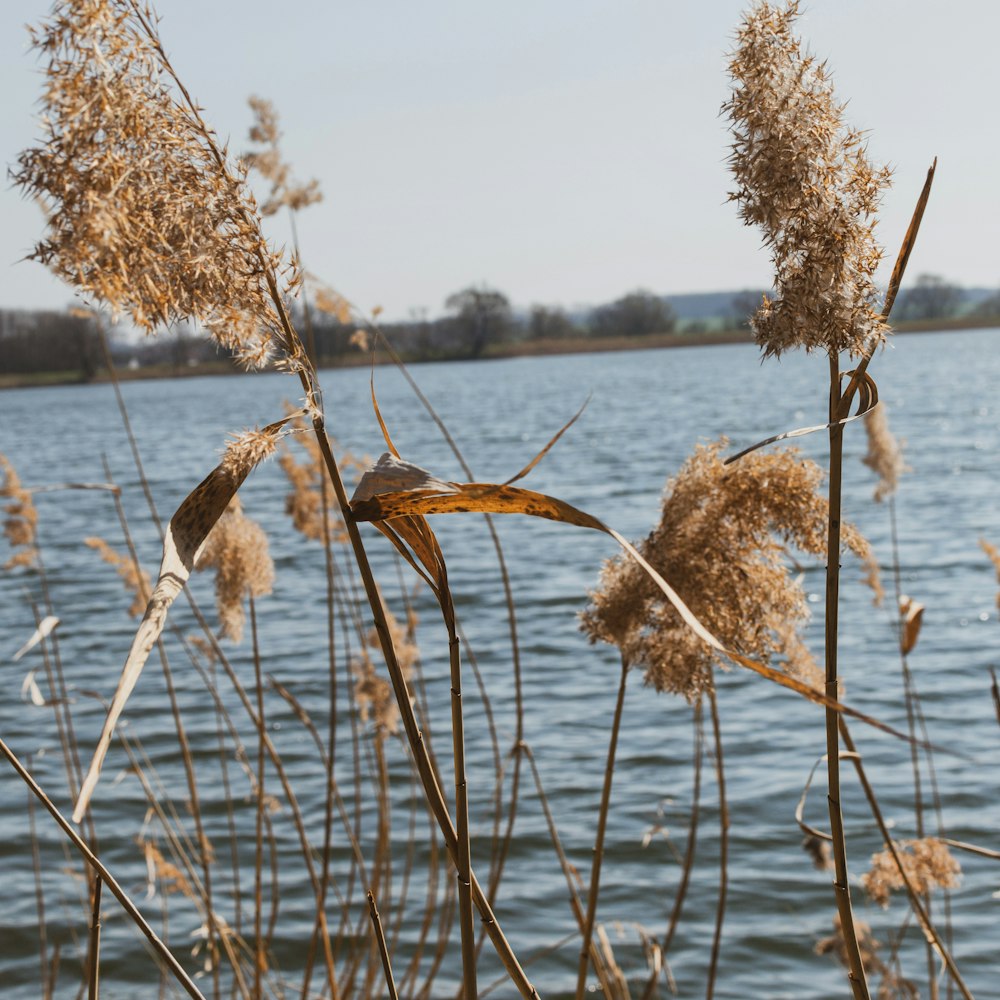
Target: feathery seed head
720, 544
928, 863
135, 578
269, 164
804, 178
237, 549
21, 517
885, 453
145, 212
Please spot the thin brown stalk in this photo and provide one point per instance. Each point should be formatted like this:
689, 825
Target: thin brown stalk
569, 873
36, 866
408, 982
910, 698
99, 869
415, 739
915, 900
329, 757
201, 838
502, 851
258, 861
94, 950
687, 865
602, 822
720, 777
842, 891
464, 861
382, 950
689, 853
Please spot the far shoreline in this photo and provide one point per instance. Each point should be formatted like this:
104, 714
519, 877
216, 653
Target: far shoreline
503, 351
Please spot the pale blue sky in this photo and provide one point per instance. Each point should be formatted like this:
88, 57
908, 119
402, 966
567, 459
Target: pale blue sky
564, 151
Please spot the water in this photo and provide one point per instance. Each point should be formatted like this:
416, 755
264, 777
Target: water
646, 411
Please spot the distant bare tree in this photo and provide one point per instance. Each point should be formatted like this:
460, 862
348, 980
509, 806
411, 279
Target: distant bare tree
483, 316
546, 323
931, 297
634, 315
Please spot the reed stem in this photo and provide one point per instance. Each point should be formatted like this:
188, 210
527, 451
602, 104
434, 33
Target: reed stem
382, 949
842, 891
98, 867
720, 913
464, 863
602, 822
94, 952
919, 911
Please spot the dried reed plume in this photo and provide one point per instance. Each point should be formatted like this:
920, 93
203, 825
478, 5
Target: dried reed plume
135, 578
269, 164
885, 453
145, 212
374, 694
304, 504
804, 178
928, 863
720, 544
236, 549
21, 518
892, 985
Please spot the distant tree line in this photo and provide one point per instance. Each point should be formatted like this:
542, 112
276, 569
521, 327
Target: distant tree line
476, 320
479, 317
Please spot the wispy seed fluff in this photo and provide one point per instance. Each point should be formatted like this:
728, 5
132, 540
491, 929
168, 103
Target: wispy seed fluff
237, 550
721, 544
885, 454
928, 863
135, 578
145, 212
268, 163
804, 179
21, 517
373, 693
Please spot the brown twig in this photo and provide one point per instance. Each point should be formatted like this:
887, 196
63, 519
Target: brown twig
382, 950
94, 949
602, 822
98, 867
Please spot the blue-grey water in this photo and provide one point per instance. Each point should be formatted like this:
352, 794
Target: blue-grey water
647, 410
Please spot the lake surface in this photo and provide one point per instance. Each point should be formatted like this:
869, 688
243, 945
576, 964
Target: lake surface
647, 410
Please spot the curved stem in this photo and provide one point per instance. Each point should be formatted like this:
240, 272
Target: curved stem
720, 913
602, 822
464, 860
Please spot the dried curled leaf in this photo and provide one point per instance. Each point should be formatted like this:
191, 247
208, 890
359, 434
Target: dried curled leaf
183, 541
912, 614
395, 489
43, 631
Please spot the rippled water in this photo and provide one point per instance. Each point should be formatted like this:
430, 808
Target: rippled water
647, 410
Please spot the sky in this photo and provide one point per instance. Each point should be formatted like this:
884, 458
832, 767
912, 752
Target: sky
565, 152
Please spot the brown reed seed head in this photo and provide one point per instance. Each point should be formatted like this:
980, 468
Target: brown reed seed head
145, 212
237, 549
885, 453
269, 164
21, 517
868, 945
928, 863
304, 504
375, 697
720, 544
803, 177
135, 578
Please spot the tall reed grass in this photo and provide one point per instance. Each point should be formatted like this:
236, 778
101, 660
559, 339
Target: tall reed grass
149, 217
